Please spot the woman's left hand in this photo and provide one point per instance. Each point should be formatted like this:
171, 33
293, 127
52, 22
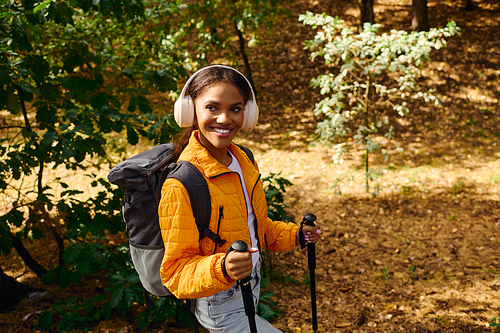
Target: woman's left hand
311, 234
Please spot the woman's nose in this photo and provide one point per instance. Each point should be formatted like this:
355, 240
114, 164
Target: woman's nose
223, 118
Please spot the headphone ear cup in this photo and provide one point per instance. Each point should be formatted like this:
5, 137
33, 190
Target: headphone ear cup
251, 115
184, 111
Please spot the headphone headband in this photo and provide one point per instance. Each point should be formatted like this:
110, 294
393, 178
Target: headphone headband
184, 106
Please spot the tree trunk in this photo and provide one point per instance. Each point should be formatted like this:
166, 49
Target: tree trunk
241, 39
27, 258
366, 9
469, 6
12, 292
420, 20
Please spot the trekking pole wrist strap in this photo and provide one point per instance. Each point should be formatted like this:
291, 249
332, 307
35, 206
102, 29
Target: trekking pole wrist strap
302, 239
224, 271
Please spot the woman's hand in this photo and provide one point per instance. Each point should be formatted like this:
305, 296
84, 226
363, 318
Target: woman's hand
311, 234
239, 264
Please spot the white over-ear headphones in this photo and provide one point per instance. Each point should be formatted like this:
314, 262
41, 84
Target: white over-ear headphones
184, 106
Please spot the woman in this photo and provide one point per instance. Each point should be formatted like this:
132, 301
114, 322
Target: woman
216, 103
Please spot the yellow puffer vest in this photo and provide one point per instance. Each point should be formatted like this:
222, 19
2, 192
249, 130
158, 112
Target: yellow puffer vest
192, 268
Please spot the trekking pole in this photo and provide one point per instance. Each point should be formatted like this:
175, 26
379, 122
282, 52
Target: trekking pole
246, 289
311, 261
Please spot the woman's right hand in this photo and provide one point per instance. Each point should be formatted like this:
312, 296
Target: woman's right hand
239, 264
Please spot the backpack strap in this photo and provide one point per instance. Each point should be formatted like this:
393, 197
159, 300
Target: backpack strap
199, 194
191, 304
248, 152
133, 198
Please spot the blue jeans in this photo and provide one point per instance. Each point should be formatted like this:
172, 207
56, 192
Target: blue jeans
224, 312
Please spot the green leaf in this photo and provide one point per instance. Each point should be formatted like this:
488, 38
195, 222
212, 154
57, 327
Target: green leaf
46, 114
60, 13
265, 311
27, 88
19, 36
45, 320
182, 316
6, 240
13, 104
129, 72
41, 6
122, 298
144, 319
71, 193
164, 308
64, 278
37, 233
72, 252
15, 217
132, 136
264, 282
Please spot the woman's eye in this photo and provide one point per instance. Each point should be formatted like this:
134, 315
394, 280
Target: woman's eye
211, 108
236, 109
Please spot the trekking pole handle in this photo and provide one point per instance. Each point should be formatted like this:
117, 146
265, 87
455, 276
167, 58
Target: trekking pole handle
240, 246
311, 248
309, 220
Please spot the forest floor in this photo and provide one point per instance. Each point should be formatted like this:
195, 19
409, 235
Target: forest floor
422, 254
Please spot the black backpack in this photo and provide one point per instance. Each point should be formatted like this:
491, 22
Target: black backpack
141, 178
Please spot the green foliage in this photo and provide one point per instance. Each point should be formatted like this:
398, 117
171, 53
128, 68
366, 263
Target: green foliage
215, 23
495, 323
384, 274
74, 75
163, 309
65, 85
267, 307
373, 76
412, 275
274, 188
75, 84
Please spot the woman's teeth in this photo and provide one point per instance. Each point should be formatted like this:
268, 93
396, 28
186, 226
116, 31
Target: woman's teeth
221, 130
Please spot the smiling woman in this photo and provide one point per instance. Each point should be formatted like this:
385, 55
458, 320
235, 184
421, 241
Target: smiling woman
216, 103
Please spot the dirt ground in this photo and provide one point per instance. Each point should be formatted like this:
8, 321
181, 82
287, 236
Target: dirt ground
421, 256
411, 260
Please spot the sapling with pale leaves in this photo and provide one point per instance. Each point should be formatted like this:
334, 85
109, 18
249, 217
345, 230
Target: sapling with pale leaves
373, 79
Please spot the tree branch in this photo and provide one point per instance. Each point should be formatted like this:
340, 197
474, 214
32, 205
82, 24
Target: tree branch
60, 245
367, 96
9, 127
29, 129
27, 258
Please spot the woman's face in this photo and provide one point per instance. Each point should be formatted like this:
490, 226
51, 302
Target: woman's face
219, 112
